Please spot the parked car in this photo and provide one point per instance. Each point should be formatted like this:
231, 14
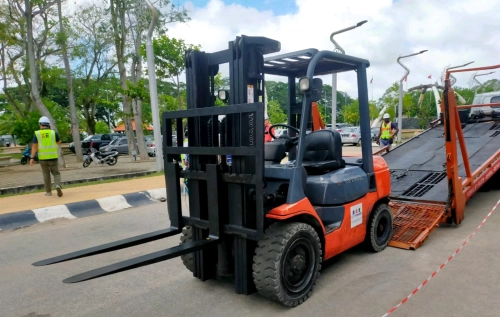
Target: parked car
98, 140
341, 126
351, 135
151, 145
120, 145
375, 132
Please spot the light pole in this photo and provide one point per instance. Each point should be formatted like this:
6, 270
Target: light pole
152, 90
337, 48
400, 109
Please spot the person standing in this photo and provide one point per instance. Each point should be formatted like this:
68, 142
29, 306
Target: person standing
46, 141
387, 132
267, 125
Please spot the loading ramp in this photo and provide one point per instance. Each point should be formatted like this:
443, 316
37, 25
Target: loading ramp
425, 190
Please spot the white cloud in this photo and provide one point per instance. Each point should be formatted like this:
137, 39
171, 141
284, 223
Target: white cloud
454, 32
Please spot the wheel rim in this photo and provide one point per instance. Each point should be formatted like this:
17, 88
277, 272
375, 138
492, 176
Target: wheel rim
382, 230
298, 265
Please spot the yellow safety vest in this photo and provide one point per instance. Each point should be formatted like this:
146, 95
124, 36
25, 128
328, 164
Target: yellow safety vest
386, 131
47, 146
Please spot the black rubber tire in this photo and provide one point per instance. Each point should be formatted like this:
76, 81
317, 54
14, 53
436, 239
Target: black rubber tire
86, 162
379, 228
187, 259
269, 265
24, 160
113, 161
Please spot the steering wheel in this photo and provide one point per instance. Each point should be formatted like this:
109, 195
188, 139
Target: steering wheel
294, 139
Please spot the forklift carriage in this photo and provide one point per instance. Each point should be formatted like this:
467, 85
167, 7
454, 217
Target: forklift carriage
263, 224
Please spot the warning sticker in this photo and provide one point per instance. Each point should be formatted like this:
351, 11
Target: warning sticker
356, 215
250, 98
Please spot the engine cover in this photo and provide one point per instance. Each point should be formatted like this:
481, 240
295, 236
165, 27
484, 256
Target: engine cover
338, 187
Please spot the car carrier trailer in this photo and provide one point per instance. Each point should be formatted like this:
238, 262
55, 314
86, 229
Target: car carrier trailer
434, 174
266, 226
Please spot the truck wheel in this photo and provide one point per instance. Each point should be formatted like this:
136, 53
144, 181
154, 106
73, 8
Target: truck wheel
187, 259
287, 262
379, 228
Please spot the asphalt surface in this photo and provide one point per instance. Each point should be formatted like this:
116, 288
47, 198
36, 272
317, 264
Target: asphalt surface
355, 283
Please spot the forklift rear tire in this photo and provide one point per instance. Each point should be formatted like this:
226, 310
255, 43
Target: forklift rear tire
187, 259
287, 262
379, 228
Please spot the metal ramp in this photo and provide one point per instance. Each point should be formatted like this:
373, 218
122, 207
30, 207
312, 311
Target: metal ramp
419, 182
413, 223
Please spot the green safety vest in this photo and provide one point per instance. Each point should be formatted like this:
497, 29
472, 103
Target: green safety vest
386, 131
47, 146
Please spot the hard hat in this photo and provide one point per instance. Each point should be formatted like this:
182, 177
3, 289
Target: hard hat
387, 116
266, 117
44, 120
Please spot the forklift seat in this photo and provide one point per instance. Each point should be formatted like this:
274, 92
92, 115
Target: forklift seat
274, 152
323, 152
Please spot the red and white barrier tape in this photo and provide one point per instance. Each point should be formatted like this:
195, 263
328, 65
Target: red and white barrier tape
442, 265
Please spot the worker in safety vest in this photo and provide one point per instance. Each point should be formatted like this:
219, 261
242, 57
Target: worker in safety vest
267, 125
46, 142
387, 132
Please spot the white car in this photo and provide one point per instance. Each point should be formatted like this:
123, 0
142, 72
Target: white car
351, 135
485, 98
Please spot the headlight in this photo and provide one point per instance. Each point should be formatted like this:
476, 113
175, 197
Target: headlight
223, 95
304, 84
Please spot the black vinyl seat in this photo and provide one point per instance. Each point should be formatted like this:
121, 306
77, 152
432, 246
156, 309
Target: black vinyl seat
323, 152
274, 152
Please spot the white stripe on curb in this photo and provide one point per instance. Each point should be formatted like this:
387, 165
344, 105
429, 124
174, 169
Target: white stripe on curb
53, 212
158, 193
113, 203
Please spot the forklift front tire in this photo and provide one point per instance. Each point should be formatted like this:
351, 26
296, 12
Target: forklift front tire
187, 259
287, 262
379, 228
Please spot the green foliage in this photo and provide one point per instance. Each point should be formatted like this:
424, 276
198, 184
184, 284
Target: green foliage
137, 91
275, 113
101, 128
351, 113
169, 55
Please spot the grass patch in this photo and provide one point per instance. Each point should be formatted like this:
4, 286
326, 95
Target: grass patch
107, 181
13, 155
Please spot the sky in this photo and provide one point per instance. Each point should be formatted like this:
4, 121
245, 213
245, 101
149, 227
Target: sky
453, 31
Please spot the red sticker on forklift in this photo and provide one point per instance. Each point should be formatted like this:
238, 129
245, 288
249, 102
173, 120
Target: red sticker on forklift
250, 94
356, 215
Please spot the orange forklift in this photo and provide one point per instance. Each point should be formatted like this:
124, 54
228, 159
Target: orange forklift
265, 225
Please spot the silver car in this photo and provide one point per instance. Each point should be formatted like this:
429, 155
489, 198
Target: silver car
351, 135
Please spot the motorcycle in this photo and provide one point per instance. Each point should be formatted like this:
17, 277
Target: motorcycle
27, 155
110, 158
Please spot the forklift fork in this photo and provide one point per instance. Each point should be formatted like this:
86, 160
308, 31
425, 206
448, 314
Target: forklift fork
177, 223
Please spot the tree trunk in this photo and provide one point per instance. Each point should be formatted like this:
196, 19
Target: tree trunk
75, 132
35, 84
118, 22
136, 77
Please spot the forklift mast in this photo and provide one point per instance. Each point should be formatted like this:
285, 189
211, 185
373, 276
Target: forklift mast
231, 194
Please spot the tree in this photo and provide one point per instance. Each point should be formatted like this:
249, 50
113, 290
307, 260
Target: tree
43, 7
62, 39
169, 59
92, 55
351, 113
275, 113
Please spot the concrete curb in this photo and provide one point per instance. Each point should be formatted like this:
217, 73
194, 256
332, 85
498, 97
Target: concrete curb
29, 188
81, 209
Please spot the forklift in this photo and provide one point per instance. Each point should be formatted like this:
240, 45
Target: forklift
262, 224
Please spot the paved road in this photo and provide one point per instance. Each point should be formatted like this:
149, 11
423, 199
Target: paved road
353, 284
